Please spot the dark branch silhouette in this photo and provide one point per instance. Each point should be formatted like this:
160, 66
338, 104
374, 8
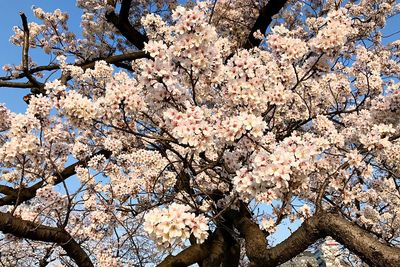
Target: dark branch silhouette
121, 22
263, 21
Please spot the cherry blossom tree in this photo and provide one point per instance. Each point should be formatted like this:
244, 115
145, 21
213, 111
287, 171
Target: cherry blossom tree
173, 133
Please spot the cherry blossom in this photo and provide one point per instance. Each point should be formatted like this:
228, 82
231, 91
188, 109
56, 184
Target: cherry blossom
183, 132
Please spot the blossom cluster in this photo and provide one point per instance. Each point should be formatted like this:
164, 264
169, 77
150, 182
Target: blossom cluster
269, 173
311, 110
190, 127
287, 47
197, 127
173, 225
23, 140
5, 118
334, 34
78, 108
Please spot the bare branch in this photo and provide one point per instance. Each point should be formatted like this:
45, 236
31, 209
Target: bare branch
25, 54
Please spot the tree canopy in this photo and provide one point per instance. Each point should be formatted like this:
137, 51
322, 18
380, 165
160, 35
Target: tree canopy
172, 133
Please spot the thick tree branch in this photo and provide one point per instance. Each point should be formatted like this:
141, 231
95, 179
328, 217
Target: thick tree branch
359, 241
16, 84
322, 224
256, 244
263, 21
121, 22
213, 252
6, 190
26, 229
216, 250
231, 253
116, 59
24, 194
306, 235
194, 253
124, 11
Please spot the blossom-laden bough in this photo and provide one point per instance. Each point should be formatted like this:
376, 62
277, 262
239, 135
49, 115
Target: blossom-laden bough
180, 133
